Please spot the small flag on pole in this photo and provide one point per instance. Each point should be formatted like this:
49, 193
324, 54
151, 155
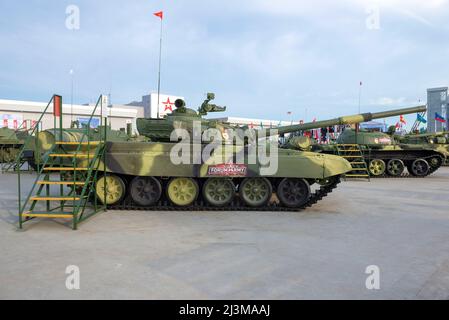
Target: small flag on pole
439, 118
421, 119
402, 120
159, 14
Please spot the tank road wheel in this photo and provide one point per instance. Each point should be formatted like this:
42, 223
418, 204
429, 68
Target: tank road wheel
145, 191
419, 168
115, 189
395, 167
435, 162
219, 192
377, 167
182, 191
293, 193
255, 192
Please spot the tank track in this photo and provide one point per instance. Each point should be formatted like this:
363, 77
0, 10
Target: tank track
236, 205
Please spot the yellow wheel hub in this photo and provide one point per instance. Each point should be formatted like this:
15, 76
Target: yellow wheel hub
115, 189
377, 167
182, 191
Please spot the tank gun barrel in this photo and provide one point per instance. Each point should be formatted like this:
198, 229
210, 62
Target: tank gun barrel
358, 118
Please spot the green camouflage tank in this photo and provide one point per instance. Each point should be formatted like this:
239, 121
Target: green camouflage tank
436, 141
384, 156
11, 142
194, 163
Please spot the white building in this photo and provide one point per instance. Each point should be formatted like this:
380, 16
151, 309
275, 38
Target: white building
149, 104
23, 114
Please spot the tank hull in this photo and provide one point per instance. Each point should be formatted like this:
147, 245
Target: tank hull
128, 162
408, 154
153, 159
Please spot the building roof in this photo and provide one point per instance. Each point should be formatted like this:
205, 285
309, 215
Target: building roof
120, 111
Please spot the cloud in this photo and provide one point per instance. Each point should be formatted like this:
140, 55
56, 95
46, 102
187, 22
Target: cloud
386, 101
259, 56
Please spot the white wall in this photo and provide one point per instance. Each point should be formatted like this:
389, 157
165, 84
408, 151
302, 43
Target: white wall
25, 110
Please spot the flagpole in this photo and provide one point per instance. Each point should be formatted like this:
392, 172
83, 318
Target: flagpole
71, 96
159, 76
360, 94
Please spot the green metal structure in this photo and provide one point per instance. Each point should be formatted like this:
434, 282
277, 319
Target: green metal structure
63, 189
143, 175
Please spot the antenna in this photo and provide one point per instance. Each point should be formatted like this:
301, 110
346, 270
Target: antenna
110, 101
71, 96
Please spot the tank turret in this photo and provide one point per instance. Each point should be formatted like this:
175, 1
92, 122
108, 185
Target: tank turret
181, 118
184, 118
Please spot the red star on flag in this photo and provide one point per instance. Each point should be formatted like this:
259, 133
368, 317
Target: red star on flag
168, 105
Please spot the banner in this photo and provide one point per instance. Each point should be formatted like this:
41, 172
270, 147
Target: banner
94, 123
11, 121
166, 105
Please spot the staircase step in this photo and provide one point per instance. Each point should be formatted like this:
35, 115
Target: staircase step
50, 198
57, 215
70, 155
70, 143
63, 183
65, 169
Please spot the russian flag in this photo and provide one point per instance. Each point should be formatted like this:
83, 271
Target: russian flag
439, 118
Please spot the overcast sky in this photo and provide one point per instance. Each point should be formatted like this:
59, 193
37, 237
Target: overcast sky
262, 58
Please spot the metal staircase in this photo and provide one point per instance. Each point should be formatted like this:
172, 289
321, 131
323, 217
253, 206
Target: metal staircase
67, 173
354, 155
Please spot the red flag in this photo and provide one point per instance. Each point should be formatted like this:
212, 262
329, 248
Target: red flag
159, 14
57, 106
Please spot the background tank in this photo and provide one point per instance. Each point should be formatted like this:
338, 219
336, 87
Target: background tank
11, 142
382, 154
436, 141
144, 174
9, 145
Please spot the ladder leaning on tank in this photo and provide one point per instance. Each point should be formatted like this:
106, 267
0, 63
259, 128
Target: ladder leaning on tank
75, 168
354, 155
